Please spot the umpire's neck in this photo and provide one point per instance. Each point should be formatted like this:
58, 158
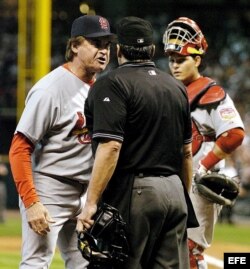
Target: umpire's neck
122, 59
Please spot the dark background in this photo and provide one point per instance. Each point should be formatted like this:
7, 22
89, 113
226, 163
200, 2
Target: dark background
225, 23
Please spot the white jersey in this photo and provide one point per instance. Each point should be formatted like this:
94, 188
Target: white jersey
214, 122
53, 120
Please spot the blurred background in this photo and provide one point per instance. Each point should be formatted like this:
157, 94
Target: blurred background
34, 33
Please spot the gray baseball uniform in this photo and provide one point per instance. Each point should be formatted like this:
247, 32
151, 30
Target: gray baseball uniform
53, 120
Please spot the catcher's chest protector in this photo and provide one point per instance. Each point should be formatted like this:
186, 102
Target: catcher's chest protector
198, 138
202, 92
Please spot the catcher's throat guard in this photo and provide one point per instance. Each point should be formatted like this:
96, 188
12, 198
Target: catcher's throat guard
217, 188
105, 243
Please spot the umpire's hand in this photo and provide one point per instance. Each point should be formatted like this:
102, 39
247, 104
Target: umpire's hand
84, 219
38, 218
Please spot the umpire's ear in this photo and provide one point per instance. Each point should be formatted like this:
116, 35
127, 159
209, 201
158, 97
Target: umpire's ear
153, 52
120, 57
118, 51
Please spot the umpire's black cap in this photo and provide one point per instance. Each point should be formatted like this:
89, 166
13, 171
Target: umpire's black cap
134, 31
91, 26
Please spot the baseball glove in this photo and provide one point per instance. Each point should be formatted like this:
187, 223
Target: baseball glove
217, 188
105, 243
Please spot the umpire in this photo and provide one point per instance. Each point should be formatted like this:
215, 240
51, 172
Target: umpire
140, 124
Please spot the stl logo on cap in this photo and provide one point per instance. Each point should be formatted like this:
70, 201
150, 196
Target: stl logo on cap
140, 40
103, 23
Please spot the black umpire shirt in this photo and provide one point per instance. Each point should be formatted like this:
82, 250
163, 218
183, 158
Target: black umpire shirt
147, 110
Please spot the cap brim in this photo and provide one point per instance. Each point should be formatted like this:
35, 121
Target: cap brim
100, 35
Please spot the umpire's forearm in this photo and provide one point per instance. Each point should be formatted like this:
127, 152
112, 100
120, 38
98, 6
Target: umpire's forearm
106, 158
187, 166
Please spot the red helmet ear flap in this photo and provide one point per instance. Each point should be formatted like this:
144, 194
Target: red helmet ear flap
184, 36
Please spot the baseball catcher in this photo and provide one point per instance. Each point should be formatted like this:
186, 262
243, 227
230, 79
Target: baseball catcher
217, 131
217, 188
104, 245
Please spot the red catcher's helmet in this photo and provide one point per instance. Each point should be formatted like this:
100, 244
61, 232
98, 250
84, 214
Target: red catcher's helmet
184, 36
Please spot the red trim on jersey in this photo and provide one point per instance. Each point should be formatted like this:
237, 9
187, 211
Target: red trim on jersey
20, 161
66, 66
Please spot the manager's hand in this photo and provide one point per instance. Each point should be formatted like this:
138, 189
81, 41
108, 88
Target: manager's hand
38, 218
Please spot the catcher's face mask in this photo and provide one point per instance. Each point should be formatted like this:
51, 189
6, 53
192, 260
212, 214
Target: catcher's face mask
105, 242
184, 37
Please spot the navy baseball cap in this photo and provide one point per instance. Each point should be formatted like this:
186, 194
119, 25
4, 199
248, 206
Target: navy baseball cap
134, 31
91, 26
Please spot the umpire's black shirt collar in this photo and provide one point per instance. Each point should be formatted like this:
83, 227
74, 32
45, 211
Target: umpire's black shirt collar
137, 64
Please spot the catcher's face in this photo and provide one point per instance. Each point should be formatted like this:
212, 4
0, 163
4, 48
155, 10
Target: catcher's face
184, 68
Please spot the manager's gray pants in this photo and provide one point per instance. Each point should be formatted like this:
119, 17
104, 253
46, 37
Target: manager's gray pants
63, 202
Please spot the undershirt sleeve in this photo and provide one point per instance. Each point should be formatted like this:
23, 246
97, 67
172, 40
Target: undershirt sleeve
21, 167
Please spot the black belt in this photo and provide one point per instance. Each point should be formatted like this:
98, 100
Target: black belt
148, 174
